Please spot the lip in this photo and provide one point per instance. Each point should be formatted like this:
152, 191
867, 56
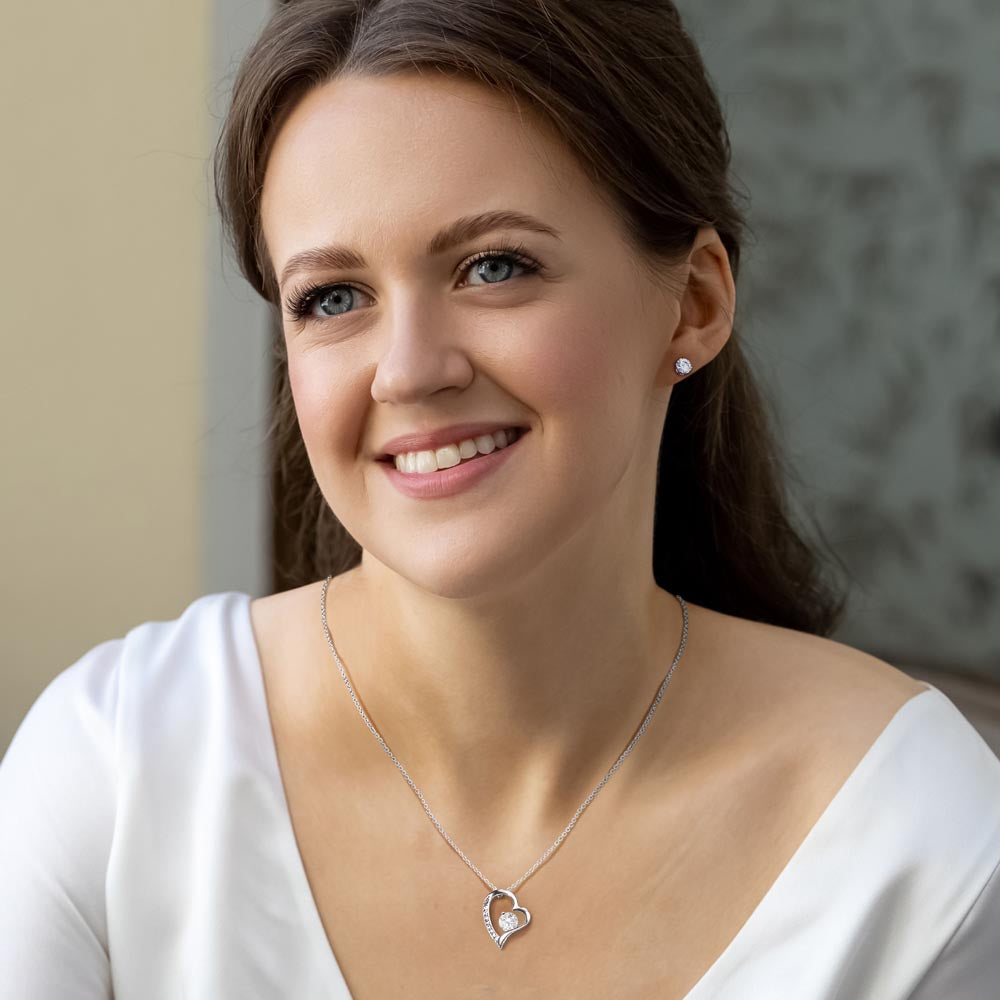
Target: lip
433, 440
448, 482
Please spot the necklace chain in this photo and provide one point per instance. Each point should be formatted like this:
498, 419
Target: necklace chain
562, 836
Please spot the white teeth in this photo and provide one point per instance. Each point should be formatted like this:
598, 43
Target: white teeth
446, 457
452, 454
426, 461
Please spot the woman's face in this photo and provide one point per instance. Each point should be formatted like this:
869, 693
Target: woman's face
404, 341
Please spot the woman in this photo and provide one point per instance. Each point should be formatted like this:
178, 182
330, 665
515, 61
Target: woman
504, 248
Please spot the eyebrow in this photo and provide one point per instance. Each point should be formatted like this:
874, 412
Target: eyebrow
462, 230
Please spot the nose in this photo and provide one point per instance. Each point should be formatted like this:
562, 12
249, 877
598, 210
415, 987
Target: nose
419, 355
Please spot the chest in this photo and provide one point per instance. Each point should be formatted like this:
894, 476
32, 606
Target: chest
636, 903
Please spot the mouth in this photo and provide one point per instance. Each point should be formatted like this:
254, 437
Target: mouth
514, 434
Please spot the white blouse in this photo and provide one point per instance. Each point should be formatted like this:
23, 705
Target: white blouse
146, 848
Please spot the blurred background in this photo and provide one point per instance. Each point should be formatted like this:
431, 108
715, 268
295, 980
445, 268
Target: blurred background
136, 401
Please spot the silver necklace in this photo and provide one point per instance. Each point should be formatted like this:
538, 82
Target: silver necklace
508, 921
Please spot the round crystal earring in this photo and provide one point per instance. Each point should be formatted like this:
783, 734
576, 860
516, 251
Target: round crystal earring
682, 366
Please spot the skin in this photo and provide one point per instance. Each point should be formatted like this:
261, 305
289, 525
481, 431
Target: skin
532, 593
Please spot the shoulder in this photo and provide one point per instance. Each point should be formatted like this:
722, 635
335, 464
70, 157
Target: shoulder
62, 755
790, 656
183, 681
132, 695
58, 800
813, 711
79, 702
793, 689
65, 744
83, 780
908, 790
844, 713
80, 714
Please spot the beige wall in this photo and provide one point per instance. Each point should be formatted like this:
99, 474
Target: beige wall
106, 136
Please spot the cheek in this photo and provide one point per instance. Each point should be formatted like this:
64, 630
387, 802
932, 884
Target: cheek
575, 369
312, 396
326, 405
585, 375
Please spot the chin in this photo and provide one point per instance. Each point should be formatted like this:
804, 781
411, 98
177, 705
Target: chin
481, 564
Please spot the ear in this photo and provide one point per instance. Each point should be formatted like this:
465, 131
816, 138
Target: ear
707, 305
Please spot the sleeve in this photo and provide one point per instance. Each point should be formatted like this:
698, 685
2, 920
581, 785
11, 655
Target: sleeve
968, 967
57, 810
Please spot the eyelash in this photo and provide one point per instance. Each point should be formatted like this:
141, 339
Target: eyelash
299, 304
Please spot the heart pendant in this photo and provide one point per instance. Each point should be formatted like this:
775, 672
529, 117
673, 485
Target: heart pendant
508, 920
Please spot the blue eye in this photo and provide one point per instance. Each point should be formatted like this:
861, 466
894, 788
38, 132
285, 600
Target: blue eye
494, 266
491, 271
333, 298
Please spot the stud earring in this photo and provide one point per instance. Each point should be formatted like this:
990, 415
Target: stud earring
682, 366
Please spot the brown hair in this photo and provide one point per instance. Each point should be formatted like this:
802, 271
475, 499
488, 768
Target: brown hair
625, 87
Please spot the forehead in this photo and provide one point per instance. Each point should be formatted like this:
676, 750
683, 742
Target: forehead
364, 159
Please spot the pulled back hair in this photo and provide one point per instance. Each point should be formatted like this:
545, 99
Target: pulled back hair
625, 88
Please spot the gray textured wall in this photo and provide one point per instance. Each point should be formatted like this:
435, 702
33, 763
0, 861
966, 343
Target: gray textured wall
867, 136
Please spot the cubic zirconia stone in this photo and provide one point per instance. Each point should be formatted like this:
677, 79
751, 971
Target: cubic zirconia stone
508, 921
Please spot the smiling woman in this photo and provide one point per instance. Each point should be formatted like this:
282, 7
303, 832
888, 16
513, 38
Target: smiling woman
655, 159
517, 425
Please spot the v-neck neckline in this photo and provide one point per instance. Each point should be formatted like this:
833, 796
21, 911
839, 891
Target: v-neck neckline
730, 957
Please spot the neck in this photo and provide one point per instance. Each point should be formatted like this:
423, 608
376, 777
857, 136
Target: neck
512, 705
